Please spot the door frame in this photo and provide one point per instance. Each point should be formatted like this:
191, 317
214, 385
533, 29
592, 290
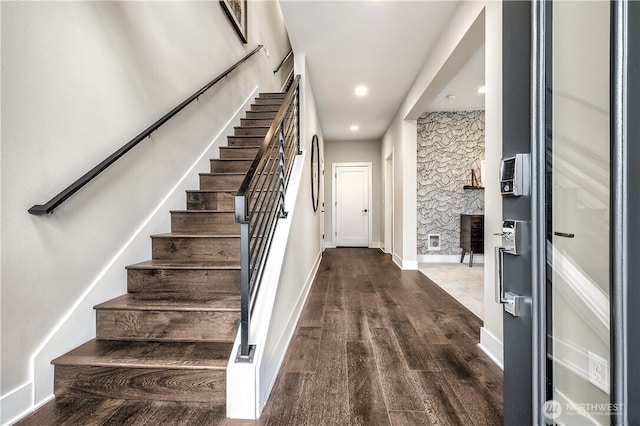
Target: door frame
334, 192
524, 29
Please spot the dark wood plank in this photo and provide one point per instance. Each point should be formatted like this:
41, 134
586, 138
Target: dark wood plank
133, 413
481, 404
158, 384
292, 408
414, 349
366, 400
329, 397
409, 418
443, 405
167, 325
313, 314
73, 411
117, 353
400, 390
302, 354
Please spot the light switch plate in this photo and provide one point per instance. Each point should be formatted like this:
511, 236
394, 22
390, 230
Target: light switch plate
599, 372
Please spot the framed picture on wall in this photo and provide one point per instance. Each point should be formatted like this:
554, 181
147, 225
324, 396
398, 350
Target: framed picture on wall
236, 11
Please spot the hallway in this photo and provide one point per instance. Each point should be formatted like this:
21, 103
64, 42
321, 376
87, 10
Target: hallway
374, 346
378, 346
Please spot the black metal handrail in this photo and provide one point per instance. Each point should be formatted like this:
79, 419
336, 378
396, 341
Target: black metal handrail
260, 202
49, 206
283, 61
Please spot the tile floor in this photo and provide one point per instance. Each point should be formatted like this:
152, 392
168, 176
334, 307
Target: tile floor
463, 283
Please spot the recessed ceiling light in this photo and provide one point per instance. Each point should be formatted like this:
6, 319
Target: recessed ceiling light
482, 89
361, 90
354, 128
451, 97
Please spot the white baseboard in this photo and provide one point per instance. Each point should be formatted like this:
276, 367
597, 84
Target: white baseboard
16, 404
372, 244
449, 258
405, 265
492, 347
376, 244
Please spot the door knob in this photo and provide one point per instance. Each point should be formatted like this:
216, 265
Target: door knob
365, 210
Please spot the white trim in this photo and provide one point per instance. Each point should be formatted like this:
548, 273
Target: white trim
329, 244
409, 265
16, 404
334, 190
405, 265
492, 347
376, 244
449, 258
397, 260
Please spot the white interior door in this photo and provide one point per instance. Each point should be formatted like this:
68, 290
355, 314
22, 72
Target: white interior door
352, 205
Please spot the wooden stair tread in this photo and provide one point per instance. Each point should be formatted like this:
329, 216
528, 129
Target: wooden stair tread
217, 212
209, 302
181, 235
222, 174
141, 354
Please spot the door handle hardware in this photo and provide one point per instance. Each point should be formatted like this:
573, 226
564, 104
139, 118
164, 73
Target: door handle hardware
365, 210
512, 302
564, 234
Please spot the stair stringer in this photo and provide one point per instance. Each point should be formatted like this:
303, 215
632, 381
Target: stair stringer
79, 324
249, 384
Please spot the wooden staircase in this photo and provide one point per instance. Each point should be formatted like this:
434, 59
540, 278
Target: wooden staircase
170, 337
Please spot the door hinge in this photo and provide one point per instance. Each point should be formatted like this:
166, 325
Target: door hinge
323, 236
336, 204
336, 233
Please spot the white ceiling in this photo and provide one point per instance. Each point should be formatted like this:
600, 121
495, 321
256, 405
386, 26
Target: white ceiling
464, 86
380, 44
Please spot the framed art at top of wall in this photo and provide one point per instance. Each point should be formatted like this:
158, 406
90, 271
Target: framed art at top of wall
236, 11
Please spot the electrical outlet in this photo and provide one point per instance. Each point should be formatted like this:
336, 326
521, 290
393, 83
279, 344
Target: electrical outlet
599, 372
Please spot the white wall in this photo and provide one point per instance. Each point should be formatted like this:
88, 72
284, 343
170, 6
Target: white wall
79, 79
355, 151
491, 332
400, 138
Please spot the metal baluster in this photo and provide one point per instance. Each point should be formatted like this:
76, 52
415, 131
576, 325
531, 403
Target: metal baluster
283, 213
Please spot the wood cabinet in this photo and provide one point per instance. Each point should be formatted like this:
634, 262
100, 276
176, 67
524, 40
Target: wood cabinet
471, 235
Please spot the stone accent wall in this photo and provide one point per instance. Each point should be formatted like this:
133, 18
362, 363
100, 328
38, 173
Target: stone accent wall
450, 144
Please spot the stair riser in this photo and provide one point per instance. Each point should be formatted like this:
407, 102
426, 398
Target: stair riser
271, 108
210, 200
182, 281
255, 122
238, 153
251, 131
196, 249
272, 95
245, 141
230, 166
151, 384
262, 114
224, 182
204, 223
116, 324
268, 101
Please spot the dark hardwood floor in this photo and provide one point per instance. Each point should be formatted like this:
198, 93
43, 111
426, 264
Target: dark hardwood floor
374, 346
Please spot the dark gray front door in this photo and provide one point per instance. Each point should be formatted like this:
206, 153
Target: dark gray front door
570, 100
